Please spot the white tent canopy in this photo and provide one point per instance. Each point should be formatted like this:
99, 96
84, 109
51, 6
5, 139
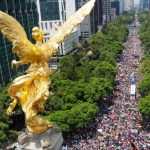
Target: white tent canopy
132, 89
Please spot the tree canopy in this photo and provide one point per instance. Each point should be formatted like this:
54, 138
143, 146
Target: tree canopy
144, 85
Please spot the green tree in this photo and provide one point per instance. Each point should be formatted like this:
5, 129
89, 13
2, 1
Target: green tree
97, 88
67, 94
144, 106
103, 69
144, 85
74, 118
145, 66
5, 121
3, 137
3, 133
67, 66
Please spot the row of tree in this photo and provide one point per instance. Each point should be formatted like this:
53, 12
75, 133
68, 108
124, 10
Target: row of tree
144, 86
83, 79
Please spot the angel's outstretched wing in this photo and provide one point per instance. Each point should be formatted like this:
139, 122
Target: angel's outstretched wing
15, 33
66, 29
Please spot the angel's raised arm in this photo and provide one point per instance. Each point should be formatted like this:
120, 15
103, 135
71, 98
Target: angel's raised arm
66, 29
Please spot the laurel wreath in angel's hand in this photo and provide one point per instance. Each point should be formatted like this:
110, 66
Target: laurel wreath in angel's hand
30, 53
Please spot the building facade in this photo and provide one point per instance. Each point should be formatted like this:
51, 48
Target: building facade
96, 17
122, 6
25, 11
141, 4
85, 26
116, 5
53, 13
129, 4
145, 4
91, 23
113, 14
106, 8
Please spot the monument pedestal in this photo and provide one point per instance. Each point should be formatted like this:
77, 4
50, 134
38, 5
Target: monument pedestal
50, 140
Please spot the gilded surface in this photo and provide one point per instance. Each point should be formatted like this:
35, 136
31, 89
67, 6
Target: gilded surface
31, 90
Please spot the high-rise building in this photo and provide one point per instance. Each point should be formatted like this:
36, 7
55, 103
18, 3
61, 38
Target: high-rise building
145, 4
106, 7
141, 4
113, 14
25, 11
54, 13
122, 6
85, 26
91, 23
132, 4
96, 17
129, 4
116, 4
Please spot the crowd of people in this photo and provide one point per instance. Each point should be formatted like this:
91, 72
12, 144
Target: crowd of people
117, 126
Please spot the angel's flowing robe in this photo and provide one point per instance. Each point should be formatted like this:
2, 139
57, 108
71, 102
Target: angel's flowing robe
32, 90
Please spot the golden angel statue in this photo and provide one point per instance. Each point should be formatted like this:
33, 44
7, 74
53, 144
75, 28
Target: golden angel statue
31, 89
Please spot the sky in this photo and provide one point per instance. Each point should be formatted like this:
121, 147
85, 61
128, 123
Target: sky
136, 1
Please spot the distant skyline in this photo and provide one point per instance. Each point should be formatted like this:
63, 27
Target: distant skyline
136, 1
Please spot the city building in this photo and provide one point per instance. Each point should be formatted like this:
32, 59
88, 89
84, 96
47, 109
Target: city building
106, 8
85, 26
91, 23
141, 4
56, 12
129, 4
25, 11
132, 4
145, 4
116, 4
122, 6
113, 14
53, 13
96, 17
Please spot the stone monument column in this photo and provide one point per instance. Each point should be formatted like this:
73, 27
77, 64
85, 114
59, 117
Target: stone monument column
50, 140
